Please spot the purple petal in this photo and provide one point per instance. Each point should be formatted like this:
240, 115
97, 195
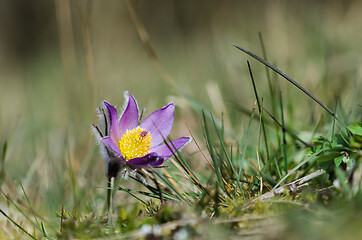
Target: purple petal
109, 142
167, 150
113, 130
129, 119
159, 123
150, 160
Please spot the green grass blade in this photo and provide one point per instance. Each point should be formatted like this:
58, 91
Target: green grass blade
284, 137
230, 163
180, 158
43, 230
260, 110
146, 194
273, 156
287, 78
245, 145
170, 186
212, 153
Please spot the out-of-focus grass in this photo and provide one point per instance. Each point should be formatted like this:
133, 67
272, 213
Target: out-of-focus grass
48, 98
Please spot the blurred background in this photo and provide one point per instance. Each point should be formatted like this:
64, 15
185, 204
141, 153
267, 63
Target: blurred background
60, 59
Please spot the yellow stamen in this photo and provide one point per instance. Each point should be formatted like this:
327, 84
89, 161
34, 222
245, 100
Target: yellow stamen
135, 143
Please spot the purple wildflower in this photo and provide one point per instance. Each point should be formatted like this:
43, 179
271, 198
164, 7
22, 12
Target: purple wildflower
126, 145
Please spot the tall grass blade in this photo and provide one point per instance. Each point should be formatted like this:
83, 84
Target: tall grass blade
284, 137
230, 163
287, 78
260, 110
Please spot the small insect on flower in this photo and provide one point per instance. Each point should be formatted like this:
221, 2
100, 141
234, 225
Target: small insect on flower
125, 145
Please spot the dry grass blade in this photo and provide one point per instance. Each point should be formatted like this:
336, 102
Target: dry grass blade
142, 32
292, 186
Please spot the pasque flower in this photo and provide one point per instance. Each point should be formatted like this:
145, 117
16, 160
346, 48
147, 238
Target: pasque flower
126, 144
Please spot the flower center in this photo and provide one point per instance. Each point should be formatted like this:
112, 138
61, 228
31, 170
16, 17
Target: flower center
135, 143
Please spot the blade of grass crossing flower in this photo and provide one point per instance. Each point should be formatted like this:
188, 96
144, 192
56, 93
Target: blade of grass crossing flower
212, 153
169, 185
129, 192
154, 191
158, 186
149, 187
284, 137
183, 163
173, 179
260, 110
309, 158
287, 78
231, 165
